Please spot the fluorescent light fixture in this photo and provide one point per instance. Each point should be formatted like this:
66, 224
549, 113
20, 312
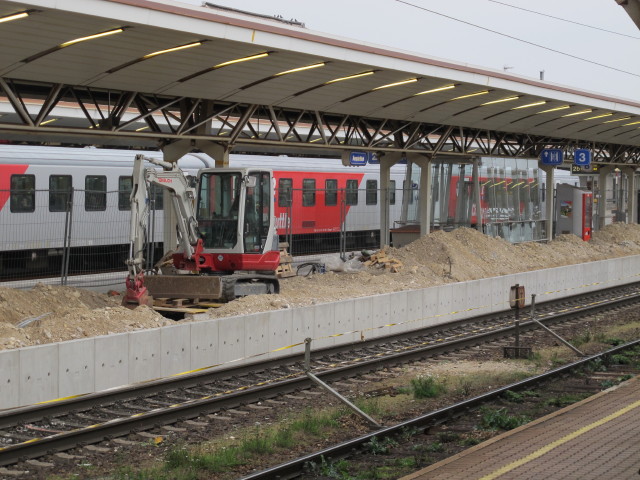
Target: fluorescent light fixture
300, 69
483, 92
508, 99
599, 116
349, 77
91, 37
396, 84
142, 128
581, 112
433, 90
174, 49
243, 59
15, 16
529, 105
564, 107
617, 120
51, 120
632, 123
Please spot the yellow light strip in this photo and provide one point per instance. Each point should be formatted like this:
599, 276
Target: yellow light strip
581, 112
142, 128
350, 77
433, 90
91, 37
617, 120
599, 116
243, 59
508, 99
483, 92
300, 69
15, 16
51, 120
632, 123
529, 105
411, 80
564, 107
174, 49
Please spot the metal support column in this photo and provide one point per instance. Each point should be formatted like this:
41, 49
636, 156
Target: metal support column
424, 197
632, 195
386, 162
603, 179
476, 193
549, 196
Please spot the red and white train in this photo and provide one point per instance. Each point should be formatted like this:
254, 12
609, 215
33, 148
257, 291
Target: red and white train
37, 182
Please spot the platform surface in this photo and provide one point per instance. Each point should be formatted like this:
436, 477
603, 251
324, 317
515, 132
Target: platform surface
597, 438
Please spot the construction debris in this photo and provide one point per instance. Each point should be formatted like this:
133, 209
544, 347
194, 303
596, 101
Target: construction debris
381, 259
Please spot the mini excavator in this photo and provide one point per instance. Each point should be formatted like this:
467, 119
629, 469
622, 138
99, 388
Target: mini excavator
227, 245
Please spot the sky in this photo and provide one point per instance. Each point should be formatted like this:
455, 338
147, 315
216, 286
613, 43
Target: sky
611, 60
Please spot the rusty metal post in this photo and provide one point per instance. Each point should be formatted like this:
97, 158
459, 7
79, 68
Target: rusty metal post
320, 383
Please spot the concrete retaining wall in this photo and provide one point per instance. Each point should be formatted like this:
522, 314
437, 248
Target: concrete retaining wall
41, 373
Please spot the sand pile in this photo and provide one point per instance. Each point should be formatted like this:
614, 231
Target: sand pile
47, 314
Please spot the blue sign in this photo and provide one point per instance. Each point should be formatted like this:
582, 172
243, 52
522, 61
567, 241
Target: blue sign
552, 156
358, 159
582, 157
373, 158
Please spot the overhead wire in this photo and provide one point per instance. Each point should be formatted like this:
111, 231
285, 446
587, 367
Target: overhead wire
575, 57
565, 20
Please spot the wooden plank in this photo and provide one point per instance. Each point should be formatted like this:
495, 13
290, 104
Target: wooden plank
180, 310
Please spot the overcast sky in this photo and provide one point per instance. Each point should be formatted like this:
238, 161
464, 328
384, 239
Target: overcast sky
396, 24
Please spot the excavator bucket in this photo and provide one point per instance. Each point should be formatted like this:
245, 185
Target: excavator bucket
201, 287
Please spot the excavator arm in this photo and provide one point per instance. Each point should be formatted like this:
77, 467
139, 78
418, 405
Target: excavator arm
182, 195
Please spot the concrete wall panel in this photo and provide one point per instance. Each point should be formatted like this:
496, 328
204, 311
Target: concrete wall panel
363, 316
324, 325
345, 321
458, 300
9, 379
381, 315
445, 304
414, 319
256, 336
38, 373
204, 344
303, 324
76, 367
175, 354
231, 334
430, 306
280, 333
144, 355
112, 361
397, 313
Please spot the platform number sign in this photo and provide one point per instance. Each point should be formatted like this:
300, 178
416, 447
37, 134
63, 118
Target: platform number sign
582, 157
552, 156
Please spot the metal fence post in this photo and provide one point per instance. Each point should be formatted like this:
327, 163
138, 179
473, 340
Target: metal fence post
66, 249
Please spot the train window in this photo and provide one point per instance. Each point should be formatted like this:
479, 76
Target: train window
23, 193
125, 185
308, 192
95, 193
331, 192
372, 192
60, 187
285, 186
352, 192
392, 192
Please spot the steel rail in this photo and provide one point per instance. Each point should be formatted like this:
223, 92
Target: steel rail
193, 408
295, 467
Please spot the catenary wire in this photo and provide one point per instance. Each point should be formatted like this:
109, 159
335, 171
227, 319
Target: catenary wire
565, 20
518, 39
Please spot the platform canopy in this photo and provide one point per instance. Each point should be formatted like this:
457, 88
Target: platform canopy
159, 69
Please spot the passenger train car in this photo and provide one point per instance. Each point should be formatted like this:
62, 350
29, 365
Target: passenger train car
54, 197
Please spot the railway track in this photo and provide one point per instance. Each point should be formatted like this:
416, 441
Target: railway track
39, 430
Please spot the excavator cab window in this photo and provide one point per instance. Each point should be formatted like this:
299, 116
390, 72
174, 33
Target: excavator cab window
257, 212
219, 208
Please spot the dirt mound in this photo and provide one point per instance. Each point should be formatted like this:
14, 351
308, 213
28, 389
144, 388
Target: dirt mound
48, 314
